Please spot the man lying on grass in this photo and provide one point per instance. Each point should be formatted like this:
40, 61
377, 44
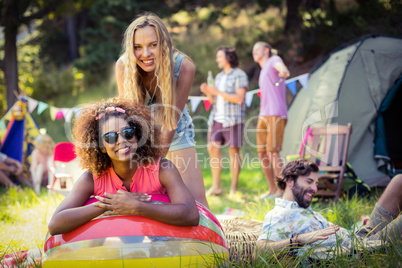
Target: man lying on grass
293, 224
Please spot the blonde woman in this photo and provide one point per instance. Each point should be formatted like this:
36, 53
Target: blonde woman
152, 72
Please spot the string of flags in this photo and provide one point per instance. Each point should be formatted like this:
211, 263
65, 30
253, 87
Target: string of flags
290, 83
55, 112
67, 113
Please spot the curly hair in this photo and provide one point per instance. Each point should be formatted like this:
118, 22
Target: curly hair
88, 141
164, 71
294, 169
231, 55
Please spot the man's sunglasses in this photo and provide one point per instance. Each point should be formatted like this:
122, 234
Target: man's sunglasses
111, 137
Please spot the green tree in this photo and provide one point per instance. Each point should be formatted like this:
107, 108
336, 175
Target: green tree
14, 14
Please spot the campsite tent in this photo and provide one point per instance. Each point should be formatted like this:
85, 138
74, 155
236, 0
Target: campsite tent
350, 85
20, 134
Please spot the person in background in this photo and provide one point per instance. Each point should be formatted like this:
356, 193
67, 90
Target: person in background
10, 170
226, 120
152, 72
42, 157
273, 113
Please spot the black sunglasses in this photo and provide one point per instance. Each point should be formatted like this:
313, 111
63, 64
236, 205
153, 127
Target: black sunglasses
111, 137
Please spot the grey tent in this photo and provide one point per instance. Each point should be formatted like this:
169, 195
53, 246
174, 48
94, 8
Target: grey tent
350, 86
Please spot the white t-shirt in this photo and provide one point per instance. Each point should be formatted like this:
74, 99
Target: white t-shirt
220, 102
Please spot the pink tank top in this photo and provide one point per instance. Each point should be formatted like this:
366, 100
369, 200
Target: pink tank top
145, 180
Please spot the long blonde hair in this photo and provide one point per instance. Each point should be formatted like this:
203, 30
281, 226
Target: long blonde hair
164, 71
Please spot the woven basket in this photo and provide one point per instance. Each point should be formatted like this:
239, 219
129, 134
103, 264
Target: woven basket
241, 236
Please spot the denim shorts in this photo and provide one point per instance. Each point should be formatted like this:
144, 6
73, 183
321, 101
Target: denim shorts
184, 135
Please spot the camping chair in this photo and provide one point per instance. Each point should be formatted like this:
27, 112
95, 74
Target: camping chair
329, 150
65, 170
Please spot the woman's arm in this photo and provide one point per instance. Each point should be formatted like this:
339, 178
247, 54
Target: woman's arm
71, 213
181, 211
307, 238
183, 86
119, 70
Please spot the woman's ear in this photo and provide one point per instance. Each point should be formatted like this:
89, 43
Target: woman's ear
103, 149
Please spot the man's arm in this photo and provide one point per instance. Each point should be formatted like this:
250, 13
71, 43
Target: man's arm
282, 70
16, 166
264, 246
237, 97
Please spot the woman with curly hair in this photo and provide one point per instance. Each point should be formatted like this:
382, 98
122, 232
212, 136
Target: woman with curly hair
115, 142
152, 72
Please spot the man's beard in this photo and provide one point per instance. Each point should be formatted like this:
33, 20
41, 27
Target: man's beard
298, 194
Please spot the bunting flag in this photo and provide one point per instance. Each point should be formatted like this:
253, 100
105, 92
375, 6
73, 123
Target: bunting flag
303, 80
207, 104
68, 114
53, 112
59, 114
32, 104
41, 107
2, 125
292, 87
77, 111
194, 103
249, 98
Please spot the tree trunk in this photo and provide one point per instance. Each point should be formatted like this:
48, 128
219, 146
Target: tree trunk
10, 65
72, 37
292, 17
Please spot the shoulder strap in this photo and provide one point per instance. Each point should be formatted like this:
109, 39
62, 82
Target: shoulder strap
177, 64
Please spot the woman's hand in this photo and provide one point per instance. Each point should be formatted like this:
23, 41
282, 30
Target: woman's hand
312, 237
121, 203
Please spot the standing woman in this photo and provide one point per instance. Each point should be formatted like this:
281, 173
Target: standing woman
152, 72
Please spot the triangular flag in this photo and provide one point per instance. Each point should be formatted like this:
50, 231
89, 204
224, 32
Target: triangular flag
41, 107
77, 111
292, 87
53, 112
3, 125
32, 105
194, 103
249, 98
59, 114
68, 113
207, 104
259, 93
303, 79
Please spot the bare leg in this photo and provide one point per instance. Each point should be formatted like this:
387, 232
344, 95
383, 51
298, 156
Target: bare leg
276, 162
5, 180
186, 161
37, 176
268, 172
216, 168
384, 220
391, 199
235, 167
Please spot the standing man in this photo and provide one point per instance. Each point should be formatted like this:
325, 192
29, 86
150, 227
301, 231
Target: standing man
227, 117
273, 113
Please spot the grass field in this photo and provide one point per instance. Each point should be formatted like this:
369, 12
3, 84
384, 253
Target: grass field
24, 217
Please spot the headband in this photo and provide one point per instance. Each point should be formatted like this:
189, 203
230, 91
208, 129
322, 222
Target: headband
110, 109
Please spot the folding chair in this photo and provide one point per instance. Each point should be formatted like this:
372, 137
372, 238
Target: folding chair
65, 170
328, 148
